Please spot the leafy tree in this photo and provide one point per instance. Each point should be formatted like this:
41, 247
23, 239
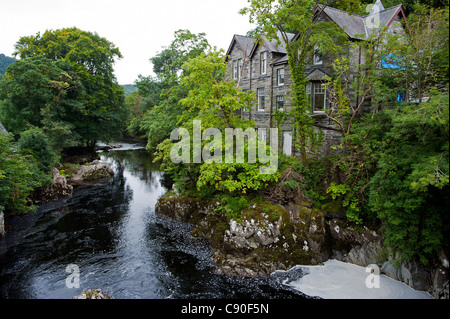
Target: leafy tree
91, 58
409, 191
422, 53
214, 101
161, 95
43, 93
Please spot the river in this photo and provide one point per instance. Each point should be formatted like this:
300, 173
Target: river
112, 235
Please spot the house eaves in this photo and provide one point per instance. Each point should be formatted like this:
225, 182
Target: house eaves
245, 42
272, 45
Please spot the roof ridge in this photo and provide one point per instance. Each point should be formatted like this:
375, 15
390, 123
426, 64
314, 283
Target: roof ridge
343, 11
393, 7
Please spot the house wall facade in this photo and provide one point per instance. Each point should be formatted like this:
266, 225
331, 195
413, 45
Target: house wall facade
271, 93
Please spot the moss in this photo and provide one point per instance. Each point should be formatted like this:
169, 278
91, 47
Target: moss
263, 211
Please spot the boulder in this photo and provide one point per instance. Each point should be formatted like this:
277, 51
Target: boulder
59, 188
88, 173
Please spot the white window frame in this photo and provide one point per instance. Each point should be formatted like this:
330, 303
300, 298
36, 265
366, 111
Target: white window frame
263, 62
262, 134
317, 58
235, 70
280, 98
261, 108
313, 88
279, 73
239, 68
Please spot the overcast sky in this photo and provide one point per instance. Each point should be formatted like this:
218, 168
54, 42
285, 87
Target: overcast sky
139, 28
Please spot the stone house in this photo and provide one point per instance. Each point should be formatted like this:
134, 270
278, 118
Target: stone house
262, 66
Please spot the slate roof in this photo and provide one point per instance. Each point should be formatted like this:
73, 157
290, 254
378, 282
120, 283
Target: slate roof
358, 27
244, 42
272, 45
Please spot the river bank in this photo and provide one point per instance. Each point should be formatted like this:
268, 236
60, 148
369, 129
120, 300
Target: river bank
271, 238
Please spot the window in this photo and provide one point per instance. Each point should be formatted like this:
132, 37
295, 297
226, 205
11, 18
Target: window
239, 68
319, 97
280, 102
317, 59
316, 92
235, 70
280, 76
262, 134
261, 99
263, 67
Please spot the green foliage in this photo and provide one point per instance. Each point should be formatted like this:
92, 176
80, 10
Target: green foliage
4, 62
214, 101
232, 207
396, 167
275, 18
349, 201
96, 111
37, 144
423, 55
161, 95
409, 191
19, 175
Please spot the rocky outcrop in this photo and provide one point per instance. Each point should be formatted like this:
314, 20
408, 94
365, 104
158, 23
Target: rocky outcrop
271, 237
59, 188
266, 238
88, 173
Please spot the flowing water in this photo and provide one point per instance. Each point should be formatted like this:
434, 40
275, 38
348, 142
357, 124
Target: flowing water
111, 233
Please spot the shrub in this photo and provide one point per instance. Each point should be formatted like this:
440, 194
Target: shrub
34, 142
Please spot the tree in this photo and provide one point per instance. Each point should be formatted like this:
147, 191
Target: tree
92, 58
161, 95
422, 54
277, 18
213, 102
40, 92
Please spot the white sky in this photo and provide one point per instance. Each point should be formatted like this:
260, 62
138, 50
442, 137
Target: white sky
139, 28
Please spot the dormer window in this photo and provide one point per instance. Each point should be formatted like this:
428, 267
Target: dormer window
317, 59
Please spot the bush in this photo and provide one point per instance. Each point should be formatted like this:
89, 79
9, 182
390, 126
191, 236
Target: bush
34, 142
397, 166
18, 177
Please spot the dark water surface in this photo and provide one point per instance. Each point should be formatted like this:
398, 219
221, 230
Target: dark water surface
111, 233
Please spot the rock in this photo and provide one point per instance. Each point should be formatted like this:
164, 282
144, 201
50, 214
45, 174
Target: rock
367, 254
389, 270
59, 188
93, 294
271, 237
89, 173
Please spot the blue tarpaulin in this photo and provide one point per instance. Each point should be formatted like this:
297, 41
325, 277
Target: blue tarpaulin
391, 61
